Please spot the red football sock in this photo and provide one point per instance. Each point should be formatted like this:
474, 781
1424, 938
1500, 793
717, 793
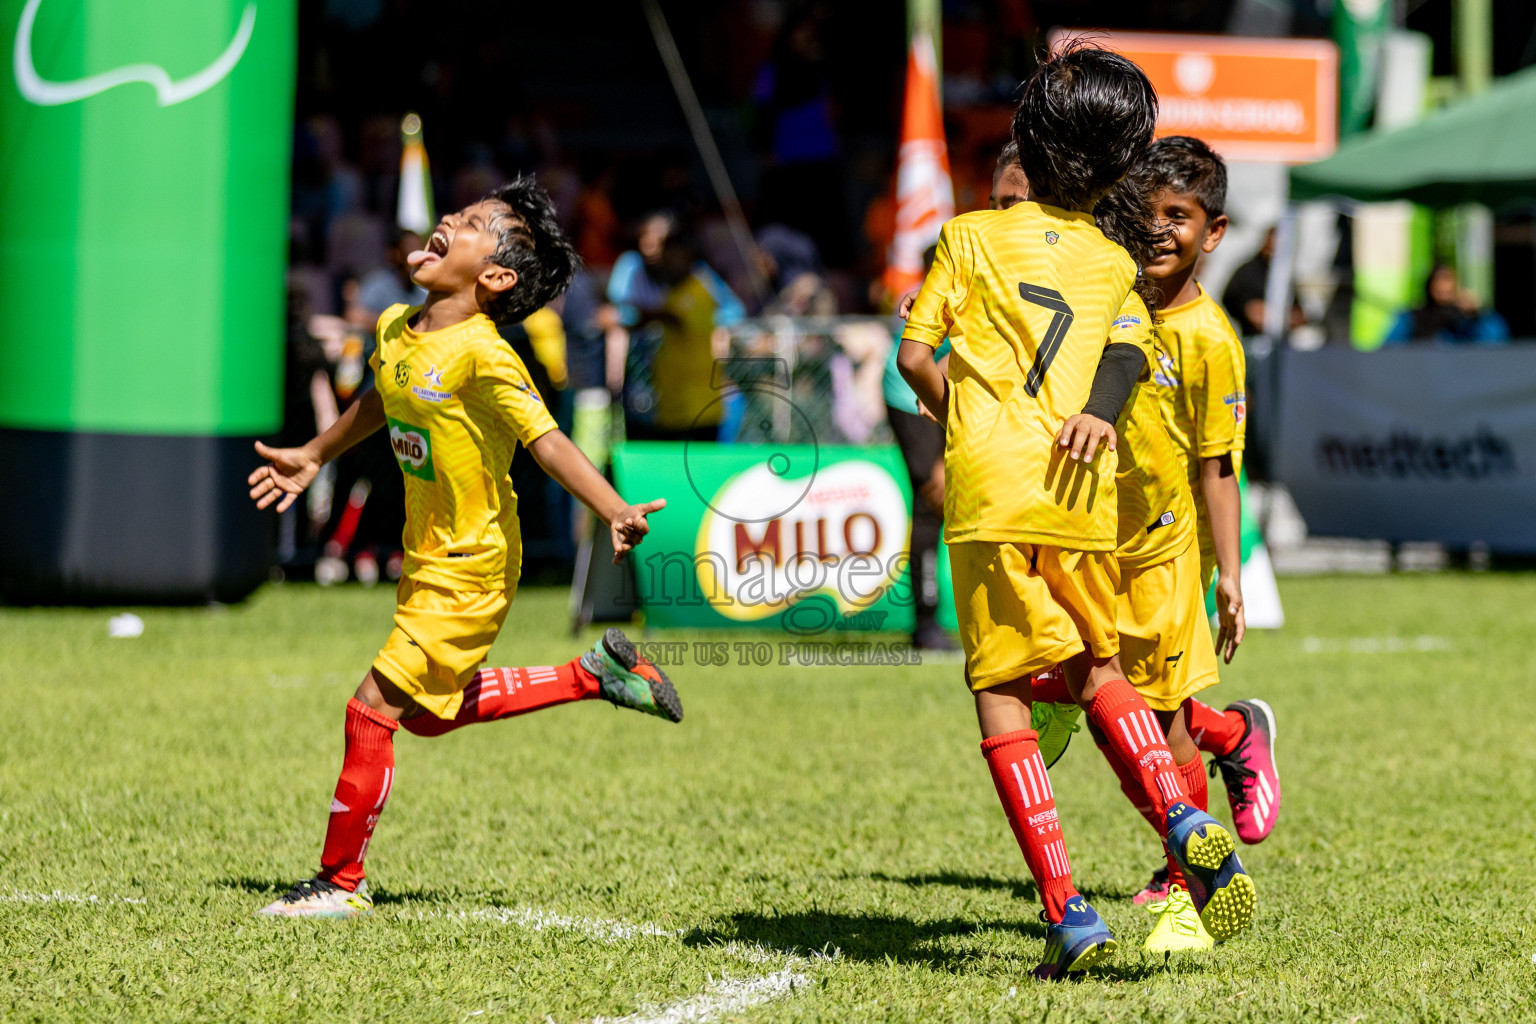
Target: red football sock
1131, 729
1130, 785
1193, 775
1050, 687
1025, 790
1215, 732
504, 692
367, 773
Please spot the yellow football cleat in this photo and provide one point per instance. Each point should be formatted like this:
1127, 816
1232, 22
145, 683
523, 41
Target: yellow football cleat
1179, 928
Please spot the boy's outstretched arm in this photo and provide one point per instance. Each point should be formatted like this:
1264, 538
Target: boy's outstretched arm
1225, 504
558, 456
289, 470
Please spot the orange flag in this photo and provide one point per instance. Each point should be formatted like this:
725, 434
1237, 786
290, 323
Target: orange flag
925, 196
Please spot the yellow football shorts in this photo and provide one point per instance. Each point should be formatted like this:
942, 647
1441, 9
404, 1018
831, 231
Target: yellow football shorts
1207, 563
1165, 642
441, 638
1025, 607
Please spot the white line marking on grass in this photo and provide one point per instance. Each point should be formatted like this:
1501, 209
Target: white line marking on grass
728, 995
725, 996
1375, 644
58, 896
534, 919
592, 927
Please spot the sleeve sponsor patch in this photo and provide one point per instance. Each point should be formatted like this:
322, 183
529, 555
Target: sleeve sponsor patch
1239, 403
1125, 323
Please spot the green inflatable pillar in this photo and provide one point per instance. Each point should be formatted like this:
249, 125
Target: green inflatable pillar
144, 165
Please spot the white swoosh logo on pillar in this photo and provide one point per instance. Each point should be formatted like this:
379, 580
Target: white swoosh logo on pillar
168, 91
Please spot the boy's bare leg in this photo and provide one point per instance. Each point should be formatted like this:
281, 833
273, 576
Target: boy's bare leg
385, 697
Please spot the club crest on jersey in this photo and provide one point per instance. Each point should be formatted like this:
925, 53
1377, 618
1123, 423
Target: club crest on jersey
1239, 403
402, 373
1051, 237
412, 446
435, 393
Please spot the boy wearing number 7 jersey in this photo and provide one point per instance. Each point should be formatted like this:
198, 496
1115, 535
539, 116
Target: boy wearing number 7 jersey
1028, 297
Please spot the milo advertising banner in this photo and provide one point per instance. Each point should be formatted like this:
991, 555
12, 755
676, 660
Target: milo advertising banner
143, 223
806, 540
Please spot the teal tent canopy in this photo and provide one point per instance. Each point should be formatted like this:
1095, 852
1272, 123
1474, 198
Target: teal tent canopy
1480, 150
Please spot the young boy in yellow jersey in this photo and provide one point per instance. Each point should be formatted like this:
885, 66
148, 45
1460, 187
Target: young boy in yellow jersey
457, 401
1046, 327
1199, 373
1164, 647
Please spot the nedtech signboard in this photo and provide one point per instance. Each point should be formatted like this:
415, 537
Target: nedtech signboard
808, 541
1422, 442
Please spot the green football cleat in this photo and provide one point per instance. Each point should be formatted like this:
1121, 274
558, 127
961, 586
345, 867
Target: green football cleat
1179, 928
628, 679
1055, 724
315, 897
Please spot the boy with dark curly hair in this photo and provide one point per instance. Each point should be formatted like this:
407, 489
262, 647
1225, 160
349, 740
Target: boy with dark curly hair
1049, 338
457, 401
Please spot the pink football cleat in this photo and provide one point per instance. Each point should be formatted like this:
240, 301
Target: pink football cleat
1253, 781
1156, 890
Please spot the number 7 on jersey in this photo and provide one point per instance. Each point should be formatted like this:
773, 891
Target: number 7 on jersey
1060, 323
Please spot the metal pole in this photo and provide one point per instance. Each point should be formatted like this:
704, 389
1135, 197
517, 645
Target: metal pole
1474, 44
698, 125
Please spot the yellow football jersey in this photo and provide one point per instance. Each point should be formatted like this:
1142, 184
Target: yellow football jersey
683, 370
458, 401
1157, 514
1029, 298
1199, 372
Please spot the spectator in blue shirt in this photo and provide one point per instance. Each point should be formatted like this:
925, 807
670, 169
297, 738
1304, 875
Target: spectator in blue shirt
1449, 315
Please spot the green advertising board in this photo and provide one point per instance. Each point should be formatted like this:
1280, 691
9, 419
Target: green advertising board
143, 214
808, 541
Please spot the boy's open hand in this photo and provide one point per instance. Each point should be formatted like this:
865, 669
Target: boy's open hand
287, 472
1084, 433
629, 527
1229, 613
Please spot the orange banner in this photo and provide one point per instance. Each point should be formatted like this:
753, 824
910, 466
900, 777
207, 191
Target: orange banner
1250, 99
925, 196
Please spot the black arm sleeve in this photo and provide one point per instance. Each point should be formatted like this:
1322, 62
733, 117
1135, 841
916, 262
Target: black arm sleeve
1118, 369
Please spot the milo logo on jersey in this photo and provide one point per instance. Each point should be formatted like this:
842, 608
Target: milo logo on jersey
413, 449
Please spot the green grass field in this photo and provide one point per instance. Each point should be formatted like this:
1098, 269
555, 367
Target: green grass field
809, 844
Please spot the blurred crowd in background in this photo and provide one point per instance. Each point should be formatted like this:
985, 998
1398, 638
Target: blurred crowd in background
803, 100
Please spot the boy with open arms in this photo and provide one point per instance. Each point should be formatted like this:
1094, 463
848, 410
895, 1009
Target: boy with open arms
1028, 297
457, 401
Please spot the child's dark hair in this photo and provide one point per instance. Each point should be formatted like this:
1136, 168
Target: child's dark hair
1182, 163
1009, 157
1125, 216
529, 241
1086, 116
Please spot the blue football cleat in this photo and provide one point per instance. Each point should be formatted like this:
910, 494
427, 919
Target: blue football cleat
1078, 942
1222, 891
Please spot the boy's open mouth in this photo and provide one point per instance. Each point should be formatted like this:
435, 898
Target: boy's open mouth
436, 249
